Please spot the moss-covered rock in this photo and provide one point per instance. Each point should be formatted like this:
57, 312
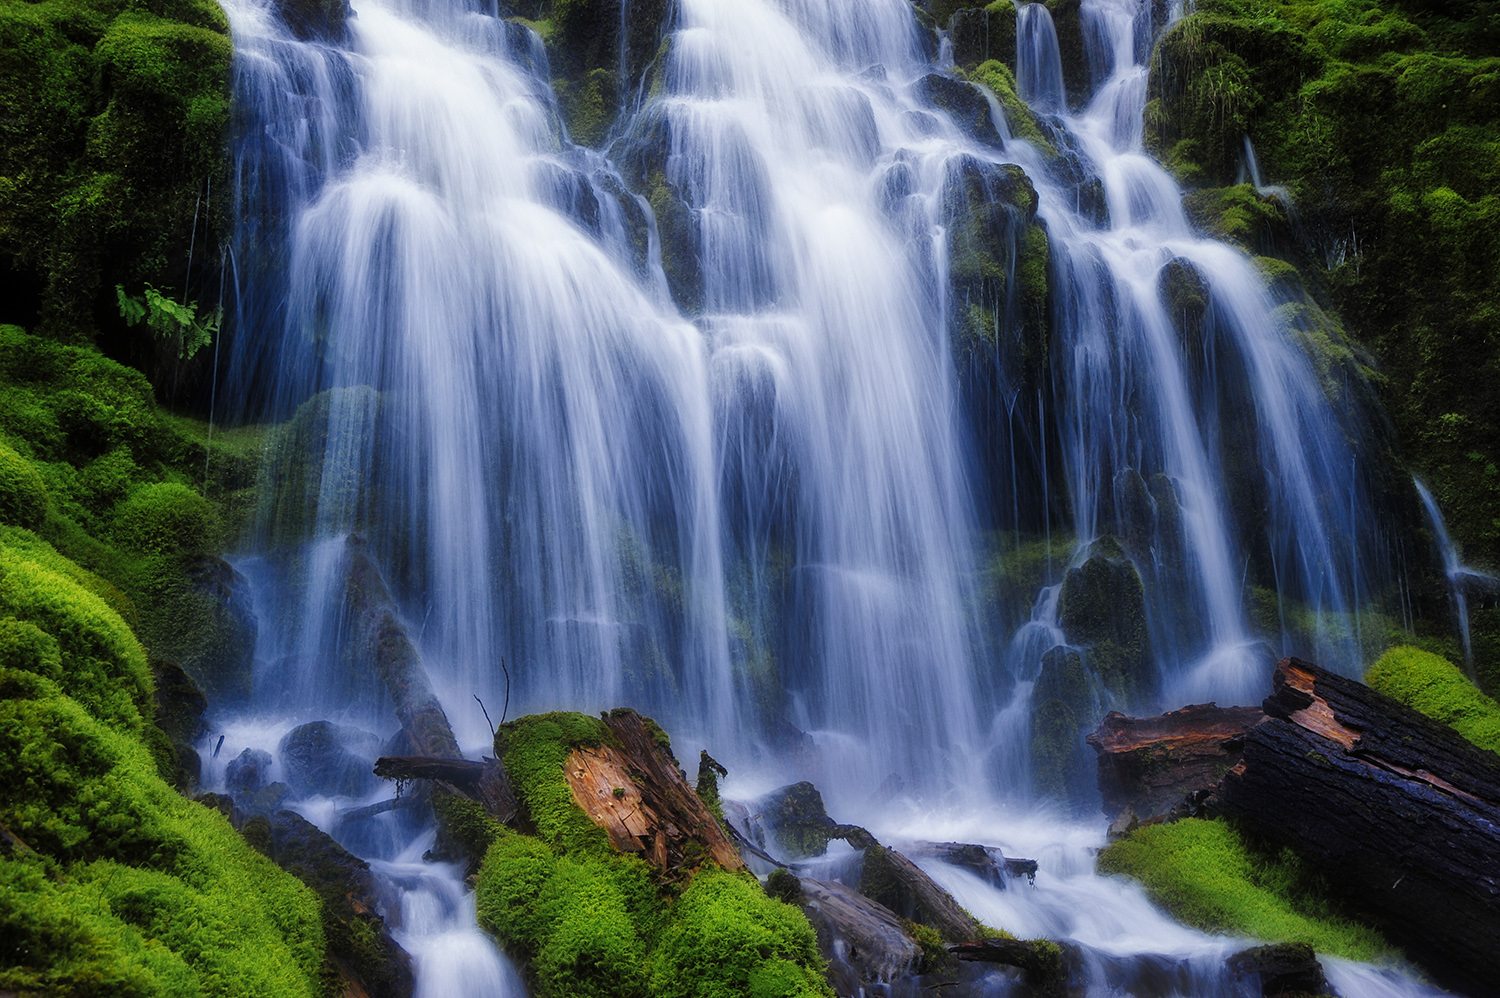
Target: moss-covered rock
1063, 707
166, 518
1102, 607
23, 492
1434, 686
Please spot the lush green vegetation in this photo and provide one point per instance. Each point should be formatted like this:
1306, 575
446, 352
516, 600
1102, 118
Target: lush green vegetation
111, 151
1204, 873
591, 921
1433, 685
1379, 118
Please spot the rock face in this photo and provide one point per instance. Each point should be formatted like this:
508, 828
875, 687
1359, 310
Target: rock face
223, 666
795, 820
865, 942
965, 103
1102, 607
1161, 768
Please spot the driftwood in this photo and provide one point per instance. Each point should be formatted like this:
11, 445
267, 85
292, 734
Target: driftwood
896, 882
1400, 813
1160, 768
482, 781
985, 862
636, 792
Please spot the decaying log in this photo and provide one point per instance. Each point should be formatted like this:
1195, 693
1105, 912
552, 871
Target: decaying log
1161, 768
636, 792
382, 640
1044, 964
483, 781
1400, 813
986, 862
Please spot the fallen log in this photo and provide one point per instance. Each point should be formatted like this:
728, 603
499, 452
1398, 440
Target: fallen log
894, 881
1043, 963
482, 781
1398, 812
986, 862
381, 639
865, 943
1154, 769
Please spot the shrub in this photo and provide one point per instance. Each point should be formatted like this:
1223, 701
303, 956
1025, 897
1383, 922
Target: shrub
1431, 684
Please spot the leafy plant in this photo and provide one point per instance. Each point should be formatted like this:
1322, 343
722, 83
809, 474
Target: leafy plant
177, 323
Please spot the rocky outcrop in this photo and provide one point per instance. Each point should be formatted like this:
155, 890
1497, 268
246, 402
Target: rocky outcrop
1161, 768
1102, 608
1282, 970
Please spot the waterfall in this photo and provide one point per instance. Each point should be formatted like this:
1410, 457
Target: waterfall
1460, 577
686, 427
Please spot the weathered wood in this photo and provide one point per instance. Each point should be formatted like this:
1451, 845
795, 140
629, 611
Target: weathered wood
1160, 768
1043, 963
986, 862
636, 792
483, 781
1400, 813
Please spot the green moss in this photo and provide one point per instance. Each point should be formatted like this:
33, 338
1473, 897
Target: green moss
1204, 874
535, 751
23, 493
727, 938
128, 880
166, 518
102, 664
997, 77
1431, 684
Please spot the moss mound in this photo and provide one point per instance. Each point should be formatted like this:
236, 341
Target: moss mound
590, 921
166, 518
23, 493
1204, 874
1431, 684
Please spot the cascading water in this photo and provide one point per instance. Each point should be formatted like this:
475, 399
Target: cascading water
774, 515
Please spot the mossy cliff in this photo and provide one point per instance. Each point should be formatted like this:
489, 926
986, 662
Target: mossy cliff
587, 919
111, 881
1378, 118
112, 154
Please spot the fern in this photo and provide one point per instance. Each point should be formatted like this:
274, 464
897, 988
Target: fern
178, 324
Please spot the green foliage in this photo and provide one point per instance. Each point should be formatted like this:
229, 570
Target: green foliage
997, 77
1204, 874
114, 131
175, 324
1378, 117
1433, 685
166, 518
23, 493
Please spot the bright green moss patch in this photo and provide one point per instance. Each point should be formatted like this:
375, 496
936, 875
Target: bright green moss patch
590, 921
999, 80
166, 518
131, 888
23, 493
1433, 685
1204, 874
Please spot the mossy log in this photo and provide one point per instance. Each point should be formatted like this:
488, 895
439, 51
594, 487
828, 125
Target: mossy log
1161, 768
1042, 962
1400, 813
482, 781
383, 642
636, 792
896, 882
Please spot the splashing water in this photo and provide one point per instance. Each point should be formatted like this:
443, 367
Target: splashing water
771, 516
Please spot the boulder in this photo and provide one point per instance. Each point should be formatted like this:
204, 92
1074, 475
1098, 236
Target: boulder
1281, 970
247, 772
965, 104
326, 759
794, 821
1102, 608
865, 943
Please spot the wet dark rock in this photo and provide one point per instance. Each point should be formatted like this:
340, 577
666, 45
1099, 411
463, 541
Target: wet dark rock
864, 942
247, 772
965, 103
222, 663
1282, 970
795, 821
266, 800
326, 759
1044, 964
1102, 607
317, 20
980, 33
1161, 768
179, 713
1063, 707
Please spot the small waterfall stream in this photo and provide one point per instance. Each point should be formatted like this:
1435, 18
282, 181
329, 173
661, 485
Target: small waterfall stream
760, 503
